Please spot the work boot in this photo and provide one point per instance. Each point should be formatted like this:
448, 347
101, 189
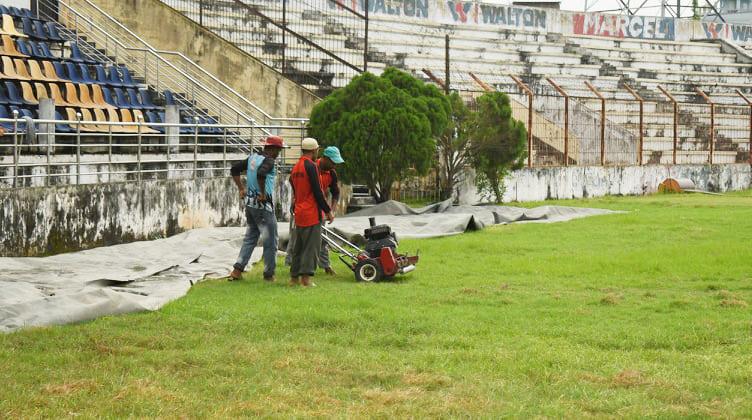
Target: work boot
330, 271
235, 275
306, 282
294, 281
270, 279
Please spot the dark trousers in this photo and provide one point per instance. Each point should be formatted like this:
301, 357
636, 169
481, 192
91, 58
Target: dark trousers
306, 250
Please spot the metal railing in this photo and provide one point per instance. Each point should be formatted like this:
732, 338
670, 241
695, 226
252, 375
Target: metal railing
566, 129
196, 89
197, 73
317, 43
100, 151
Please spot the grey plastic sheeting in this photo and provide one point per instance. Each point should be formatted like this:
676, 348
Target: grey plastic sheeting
146, 275
442, 219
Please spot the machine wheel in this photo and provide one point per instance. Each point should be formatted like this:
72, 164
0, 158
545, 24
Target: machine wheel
368, 270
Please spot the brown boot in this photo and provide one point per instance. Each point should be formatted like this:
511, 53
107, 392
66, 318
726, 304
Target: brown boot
270, 279
330, 271
235, 275
306, 282
294, 281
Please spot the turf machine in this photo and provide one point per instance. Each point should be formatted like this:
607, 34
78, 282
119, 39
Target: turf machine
379, 260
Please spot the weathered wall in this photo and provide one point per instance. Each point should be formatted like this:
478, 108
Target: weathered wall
537, 184
36, 221
166, 29
51, 220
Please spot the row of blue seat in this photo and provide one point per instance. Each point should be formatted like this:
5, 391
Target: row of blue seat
127, 98
16, 11
41, 50
40, 30
150, 116
81, 73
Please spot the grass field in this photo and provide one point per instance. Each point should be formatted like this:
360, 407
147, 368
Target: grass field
637, 314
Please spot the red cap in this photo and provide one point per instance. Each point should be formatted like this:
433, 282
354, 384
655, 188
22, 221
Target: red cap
274, 141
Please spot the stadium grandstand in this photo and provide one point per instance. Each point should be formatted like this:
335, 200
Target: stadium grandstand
592, 88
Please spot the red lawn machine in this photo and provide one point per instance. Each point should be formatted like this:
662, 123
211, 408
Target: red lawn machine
379, 260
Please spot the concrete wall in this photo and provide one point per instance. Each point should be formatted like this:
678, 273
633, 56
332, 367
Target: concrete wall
538, 184
166, 29
51, 220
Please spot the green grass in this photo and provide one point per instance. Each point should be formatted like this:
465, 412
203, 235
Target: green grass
639, 314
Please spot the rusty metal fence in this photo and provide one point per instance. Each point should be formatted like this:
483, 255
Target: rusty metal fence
600, 130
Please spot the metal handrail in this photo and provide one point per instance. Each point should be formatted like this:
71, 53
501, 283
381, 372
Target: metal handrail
138, 147
194, 83
192, 64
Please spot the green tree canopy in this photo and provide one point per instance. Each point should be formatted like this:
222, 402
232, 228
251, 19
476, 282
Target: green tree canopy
498, 143
385, 127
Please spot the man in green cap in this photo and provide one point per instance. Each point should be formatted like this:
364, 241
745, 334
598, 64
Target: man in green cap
329, 183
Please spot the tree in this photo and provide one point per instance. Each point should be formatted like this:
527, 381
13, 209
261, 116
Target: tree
453, 146
384, 125
498, 143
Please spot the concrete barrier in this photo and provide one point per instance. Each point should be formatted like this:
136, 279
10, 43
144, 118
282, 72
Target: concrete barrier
538, 184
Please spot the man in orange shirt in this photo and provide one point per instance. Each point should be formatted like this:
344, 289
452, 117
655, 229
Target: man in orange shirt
310, 204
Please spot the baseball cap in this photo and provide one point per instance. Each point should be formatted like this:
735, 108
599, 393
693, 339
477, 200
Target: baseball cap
309, 144
274, 141
332, 152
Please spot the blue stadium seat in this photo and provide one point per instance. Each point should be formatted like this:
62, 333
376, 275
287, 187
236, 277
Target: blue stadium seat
15, 11
185, 119
37, 51
28, 28
77, 56
86, 75
8, 126
62, 127
171, 100
146, 99
4, 10
114, 77
101, 75
13, 97
60, 70
55, 35
41, 30
46, 51
27, 13
133, 99
120, 98
108, 96
151, 117
24, 48
215, 130
127, 79
3, 97
73, 74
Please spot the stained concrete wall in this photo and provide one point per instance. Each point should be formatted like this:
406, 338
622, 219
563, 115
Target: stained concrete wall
51, 220
166, 29
538, 184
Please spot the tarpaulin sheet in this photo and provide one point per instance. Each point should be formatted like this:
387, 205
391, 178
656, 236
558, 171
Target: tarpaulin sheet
146, 275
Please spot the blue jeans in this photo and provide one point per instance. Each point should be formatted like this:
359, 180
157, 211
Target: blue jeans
261, 223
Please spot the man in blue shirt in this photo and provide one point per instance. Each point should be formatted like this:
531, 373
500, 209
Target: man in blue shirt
257, 192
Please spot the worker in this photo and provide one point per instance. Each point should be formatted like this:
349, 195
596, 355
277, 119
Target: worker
257, 194
329, 181
309, 207
330, 188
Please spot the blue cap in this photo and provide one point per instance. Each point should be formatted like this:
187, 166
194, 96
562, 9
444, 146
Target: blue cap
332, 152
